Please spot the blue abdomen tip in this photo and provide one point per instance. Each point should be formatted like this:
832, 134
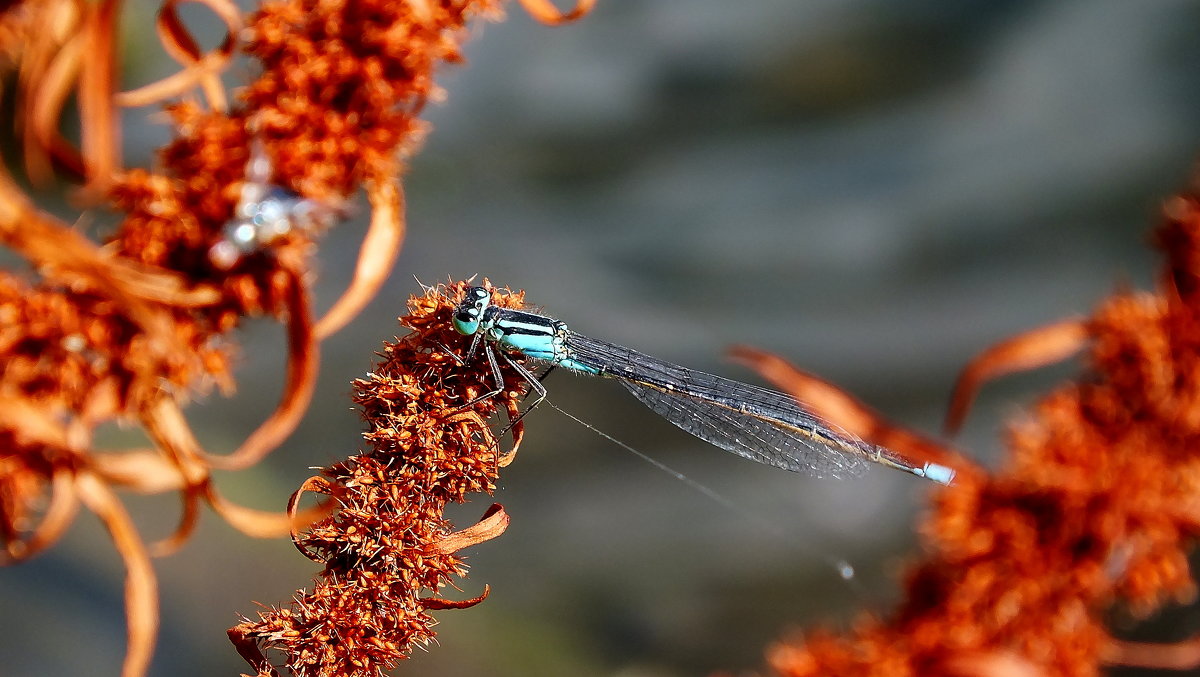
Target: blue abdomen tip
939, 473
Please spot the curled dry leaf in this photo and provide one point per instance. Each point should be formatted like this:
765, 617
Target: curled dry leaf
378, 253
838, 407
100, 133
142, 470
1030, 350
141, 585
314, 484
1184, 655
199, 69
263, 523
52, 43
547, 13
302, 367
437, 603
58, 514
492, 524
992, 664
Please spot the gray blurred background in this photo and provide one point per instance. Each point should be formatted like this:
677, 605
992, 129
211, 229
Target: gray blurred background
874, 190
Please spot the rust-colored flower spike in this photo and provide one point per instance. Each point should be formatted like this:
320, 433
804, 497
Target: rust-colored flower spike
1095, 509
223, 229
388, 548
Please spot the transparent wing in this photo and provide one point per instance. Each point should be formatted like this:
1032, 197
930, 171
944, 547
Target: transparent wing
757, 423
748, 436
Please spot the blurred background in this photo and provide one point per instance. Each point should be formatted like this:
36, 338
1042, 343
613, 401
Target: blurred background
873, 190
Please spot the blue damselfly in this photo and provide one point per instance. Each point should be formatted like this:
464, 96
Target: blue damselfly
757, 423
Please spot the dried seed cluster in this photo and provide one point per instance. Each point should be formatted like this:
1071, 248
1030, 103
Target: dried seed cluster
388, 547
1095, 508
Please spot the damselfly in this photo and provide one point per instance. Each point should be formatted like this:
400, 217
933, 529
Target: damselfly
757, 423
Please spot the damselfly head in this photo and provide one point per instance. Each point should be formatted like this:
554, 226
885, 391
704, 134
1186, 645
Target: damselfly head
469, 312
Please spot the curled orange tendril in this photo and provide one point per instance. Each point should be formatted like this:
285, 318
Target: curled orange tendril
1096, 507
130, 328
389, 542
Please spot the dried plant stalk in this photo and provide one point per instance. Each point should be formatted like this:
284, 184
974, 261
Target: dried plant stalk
388, 549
